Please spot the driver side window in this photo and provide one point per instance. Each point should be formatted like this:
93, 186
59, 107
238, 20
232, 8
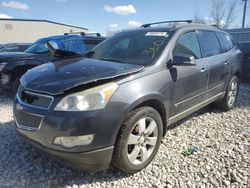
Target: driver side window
188, 44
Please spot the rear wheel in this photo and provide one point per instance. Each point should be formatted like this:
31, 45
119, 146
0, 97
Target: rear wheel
138, 140
229, 100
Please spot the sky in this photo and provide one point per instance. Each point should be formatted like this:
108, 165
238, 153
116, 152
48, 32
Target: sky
105, 15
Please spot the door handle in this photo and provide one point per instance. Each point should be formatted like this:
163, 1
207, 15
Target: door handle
203, 70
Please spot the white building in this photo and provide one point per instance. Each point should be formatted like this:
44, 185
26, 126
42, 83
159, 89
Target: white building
26, 30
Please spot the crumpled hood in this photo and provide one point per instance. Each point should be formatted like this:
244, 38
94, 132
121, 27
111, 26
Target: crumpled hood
57, 77
9, 56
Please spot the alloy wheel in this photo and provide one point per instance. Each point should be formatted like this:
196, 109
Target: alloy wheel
142, 140
232, 94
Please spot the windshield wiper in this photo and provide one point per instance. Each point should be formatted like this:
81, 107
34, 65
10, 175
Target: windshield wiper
109, 59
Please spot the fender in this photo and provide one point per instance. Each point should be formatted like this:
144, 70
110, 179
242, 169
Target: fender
18, 68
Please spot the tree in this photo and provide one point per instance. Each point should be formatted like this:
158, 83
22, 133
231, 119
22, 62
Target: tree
222, 13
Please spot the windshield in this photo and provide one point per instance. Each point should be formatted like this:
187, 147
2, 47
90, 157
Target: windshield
67, 44
133, 47
38, 47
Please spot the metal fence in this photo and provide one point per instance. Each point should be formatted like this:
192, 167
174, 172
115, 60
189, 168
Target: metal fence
240, 35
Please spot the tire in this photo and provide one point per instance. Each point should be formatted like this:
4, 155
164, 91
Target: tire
136, 147
229, 100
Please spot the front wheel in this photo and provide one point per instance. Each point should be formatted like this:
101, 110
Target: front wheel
138, 140
229, 100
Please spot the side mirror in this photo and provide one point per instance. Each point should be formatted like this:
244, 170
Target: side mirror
183, 60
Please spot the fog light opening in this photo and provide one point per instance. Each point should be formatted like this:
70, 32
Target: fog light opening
72, 141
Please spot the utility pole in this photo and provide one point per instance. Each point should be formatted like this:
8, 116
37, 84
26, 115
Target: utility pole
244, 14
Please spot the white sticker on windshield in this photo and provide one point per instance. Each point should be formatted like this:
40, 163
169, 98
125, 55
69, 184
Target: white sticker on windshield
159, 34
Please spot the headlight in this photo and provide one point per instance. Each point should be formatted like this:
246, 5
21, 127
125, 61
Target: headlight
87, 100
2, 65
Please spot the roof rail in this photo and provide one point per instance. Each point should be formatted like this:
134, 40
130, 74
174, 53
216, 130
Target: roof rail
83, 34
97, 34
173, 21
72, 33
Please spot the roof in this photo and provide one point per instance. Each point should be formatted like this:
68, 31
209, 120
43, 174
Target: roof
56, 37
176, 27
60, 37
33, 20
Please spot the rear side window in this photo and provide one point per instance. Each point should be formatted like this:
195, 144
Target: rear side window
225, 41
210, 43
188, 44
72, 44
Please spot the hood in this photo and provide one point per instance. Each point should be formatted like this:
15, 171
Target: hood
9, 56
57, 77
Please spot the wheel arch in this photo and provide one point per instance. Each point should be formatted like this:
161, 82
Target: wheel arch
238, 74
154, 101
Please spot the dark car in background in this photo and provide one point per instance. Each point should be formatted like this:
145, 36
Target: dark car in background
14, 64
245, 48
14, 47
114, 105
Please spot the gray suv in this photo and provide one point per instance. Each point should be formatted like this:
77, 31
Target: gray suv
114, 105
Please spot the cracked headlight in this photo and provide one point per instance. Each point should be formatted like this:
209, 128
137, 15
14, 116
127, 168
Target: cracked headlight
91, 99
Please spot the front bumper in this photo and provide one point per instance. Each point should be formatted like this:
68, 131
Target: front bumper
91, 161
93, 157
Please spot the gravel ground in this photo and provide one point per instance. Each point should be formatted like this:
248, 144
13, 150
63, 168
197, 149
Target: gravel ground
223, 159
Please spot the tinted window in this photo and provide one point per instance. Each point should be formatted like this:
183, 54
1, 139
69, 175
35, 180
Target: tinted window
225, 41
210, 43
188, 44
37, 48
10, 48
91, 43
22, 48
71, 44
68, 44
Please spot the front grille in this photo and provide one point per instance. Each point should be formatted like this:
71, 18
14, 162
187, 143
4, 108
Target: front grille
34, 99
25, 120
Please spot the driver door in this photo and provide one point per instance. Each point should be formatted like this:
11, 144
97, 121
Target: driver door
191, 81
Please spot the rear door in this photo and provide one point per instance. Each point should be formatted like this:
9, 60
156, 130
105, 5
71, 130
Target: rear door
219, 62
191, 81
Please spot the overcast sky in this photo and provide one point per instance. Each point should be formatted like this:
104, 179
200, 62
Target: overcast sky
103, 15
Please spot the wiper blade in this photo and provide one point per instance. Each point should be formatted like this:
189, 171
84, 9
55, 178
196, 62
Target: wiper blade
109, 59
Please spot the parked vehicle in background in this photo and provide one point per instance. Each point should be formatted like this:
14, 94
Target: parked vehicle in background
14, 47
245, 48
14, 64
115, 105
241, 36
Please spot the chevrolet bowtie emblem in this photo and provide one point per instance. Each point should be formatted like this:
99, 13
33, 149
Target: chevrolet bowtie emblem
19, 107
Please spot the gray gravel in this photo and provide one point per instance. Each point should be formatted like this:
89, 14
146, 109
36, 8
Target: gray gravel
223, 159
